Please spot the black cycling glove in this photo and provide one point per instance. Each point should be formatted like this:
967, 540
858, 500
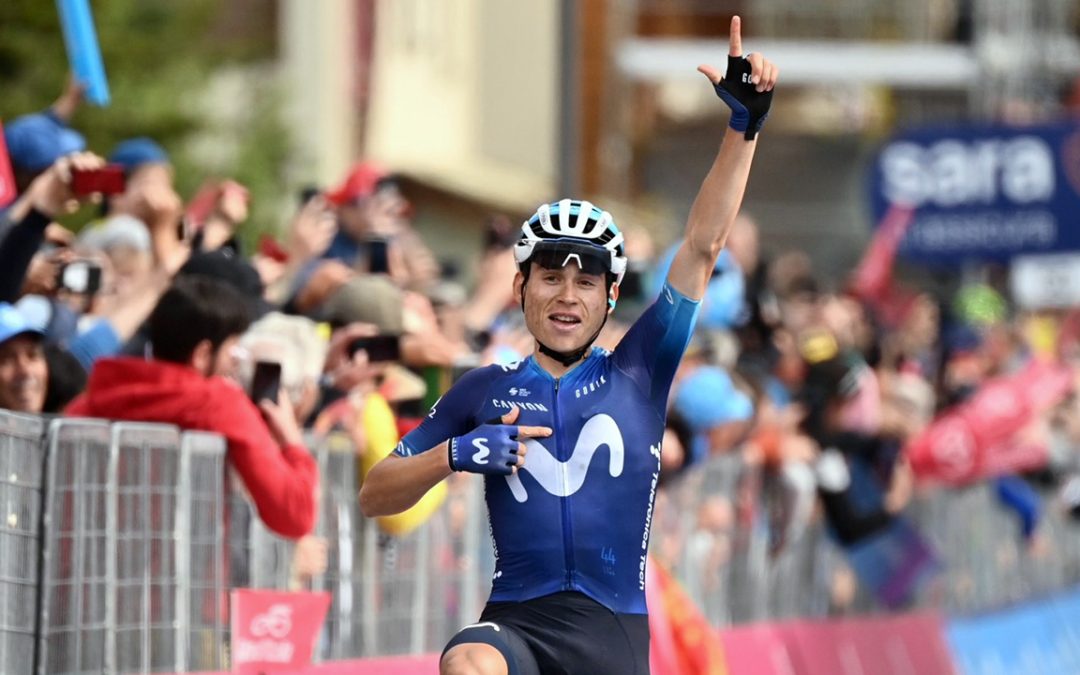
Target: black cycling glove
749, 107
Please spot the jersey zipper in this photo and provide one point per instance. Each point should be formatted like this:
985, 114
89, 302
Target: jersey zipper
568, 538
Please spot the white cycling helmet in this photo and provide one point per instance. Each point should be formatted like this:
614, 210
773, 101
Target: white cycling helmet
570, 229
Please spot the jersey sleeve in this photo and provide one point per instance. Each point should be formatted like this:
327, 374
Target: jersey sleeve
452, 415
650, 351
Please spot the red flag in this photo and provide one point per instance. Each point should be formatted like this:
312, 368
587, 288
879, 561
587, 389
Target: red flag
7, 176
984, 436
275, 632
872, 280
682, 642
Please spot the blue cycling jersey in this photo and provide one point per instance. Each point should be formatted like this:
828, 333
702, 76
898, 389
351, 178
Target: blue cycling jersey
576, 517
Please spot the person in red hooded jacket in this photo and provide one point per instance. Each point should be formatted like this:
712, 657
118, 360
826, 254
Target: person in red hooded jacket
193, 333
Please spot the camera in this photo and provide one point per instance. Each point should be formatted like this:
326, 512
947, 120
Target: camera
82, 277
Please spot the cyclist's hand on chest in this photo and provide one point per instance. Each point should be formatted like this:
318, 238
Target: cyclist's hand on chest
494, 448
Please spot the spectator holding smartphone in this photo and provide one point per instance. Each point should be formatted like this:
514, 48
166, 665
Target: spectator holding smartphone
151, 197
49, 195
194, 330
374, 231
39, 279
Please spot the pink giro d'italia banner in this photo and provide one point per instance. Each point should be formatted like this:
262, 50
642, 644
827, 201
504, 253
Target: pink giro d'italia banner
427, 664
275, 632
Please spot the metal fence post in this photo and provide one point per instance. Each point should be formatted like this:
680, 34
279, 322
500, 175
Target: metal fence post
420, 616
111, 565
475, 525
369, 565
76, 549
205, 588
22, 489
182, 537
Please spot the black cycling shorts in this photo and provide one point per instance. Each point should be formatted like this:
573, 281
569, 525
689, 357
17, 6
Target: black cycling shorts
562, 634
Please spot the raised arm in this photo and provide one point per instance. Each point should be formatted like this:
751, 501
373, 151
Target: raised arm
747, 89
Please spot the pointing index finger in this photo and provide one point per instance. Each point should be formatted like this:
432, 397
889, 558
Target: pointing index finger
736, 37
533, 432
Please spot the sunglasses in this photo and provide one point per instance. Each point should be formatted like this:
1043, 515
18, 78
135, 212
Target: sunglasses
556, 255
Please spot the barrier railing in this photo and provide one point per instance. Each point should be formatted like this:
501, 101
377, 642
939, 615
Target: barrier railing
20, 541
115, 556
78, 534
710, 530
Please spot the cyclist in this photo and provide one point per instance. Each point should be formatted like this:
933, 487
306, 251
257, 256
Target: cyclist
569, 439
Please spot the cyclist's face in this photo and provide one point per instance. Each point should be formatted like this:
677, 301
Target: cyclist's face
564, 306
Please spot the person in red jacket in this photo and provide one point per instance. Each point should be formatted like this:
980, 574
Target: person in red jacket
193, 332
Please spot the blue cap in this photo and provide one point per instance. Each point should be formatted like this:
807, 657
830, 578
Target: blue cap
134, 152
35, 141
14, 324
707, 398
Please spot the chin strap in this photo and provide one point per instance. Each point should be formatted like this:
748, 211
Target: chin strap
570, 358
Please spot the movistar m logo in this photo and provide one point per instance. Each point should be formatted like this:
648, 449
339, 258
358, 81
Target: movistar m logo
482, 452
563, 479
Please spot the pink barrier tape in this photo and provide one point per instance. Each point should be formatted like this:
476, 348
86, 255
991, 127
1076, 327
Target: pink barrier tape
895, 645
391, 665
759, 649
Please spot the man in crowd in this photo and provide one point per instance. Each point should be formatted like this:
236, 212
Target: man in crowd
150, 196
194, 330
24, 372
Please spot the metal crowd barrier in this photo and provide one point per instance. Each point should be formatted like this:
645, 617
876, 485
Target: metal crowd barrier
709, 528
389, 594
132, 578
114, 557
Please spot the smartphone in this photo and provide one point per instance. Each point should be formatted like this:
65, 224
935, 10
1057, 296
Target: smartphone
82, 277
378, 256
202, 204
269, 247
108, 180
379, 348
266, 381
308, 193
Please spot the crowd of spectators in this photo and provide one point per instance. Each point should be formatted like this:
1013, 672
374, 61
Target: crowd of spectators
155, 312
831, 391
